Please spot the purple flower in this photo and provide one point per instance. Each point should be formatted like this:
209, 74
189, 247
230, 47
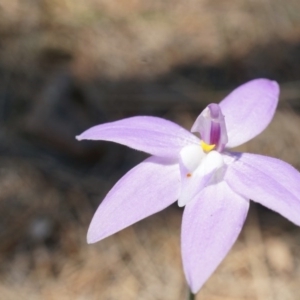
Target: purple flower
213, 183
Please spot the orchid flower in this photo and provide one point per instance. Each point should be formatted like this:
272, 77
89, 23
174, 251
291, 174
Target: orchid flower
211, 182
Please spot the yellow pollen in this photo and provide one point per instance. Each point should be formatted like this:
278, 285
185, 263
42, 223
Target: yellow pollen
207, 147
188, 175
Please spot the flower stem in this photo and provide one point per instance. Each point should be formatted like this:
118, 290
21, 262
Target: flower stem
191, 296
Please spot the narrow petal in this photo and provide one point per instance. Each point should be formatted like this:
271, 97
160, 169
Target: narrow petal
194, 180
210, 226
153, 135
249, 109
268, 181
146, 189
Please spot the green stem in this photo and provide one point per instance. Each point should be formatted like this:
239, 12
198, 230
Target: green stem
191, 296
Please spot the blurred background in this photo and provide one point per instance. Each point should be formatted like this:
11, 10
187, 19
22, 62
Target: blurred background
66, 65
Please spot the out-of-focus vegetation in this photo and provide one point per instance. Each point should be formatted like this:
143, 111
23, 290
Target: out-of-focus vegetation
67, 65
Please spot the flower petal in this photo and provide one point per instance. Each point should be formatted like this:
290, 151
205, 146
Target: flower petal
146, 189
249, 109
268, 181
210, 226
194, 180
153, 135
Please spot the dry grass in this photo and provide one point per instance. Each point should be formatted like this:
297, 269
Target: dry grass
135, 38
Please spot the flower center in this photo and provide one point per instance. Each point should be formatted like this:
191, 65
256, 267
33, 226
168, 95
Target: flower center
198, 169
211, 126
206, 147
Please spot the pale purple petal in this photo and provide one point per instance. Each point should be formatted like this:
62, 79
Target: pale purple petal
268, 181
146, 189
153, 135
249, 109
210, 226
